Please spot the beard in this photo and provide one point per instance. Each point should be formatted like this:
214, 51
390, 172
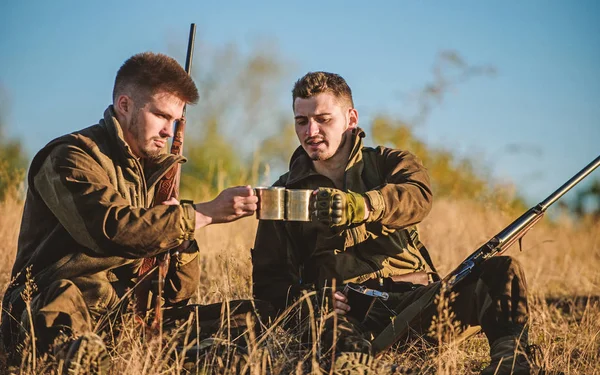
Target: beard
318, 156
145, 147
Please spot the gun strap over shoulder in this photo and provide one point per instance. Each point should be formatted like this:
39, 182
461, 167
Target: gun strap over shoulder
371, 173
414, 238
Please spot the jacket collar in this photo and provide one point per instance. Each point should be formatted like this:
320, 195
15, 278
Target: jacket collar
113, 127
155, 169
301, 166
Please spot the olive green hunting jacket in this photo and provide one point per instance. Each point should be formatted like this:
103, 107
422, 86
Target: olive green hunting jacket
289, 256
89, 218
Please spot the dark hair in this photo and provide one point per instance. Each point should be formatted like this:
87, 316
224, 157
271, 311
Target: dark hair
148, 73
314, 83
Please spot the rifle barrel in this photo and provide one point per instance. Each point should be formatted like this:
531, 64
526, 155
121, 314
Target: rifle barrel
569, 184
190, 49
516, 227
190, 54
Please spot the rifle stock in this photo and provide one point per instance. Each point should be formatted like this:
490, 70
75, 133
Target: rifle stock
497, 245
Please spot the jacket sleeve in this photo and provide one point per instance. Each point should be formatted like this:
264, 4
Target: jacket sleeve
78, 191
405, 198
273, 278
184, 276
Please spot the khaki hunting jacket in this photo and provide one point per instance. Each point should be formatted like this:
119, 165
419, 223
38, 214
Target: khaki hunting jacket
289, 256
88, 218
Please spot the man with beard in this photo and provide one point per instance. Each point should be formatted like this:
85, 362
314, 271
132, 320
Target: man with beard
366, 204
90, 220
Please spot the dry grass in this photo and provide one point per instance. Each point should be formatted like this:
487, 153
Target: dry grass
561, 260
10, 219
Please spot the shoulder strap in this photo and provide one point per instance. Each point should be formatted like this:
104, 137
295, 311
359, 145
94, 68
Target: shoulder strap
414, 238
373, 178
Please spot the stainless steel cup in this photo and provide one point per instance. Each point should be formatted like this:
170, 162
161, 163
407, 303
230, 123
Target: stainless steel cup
271, 203
297, 204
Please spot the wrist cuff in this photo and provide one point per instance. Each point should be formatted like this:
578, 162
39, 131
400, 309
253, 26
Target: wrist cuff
377, 205
188, 219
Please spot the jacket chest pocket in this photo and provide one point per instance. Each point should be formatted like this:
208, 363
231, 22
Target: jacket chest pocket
133, 196
126, 182
355, 235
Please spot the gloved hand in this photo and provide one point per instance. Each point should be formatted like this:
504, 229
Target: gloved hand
338, 208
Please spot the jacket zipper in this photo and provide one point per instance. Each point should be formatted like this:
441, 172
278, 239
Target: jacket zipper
144, 196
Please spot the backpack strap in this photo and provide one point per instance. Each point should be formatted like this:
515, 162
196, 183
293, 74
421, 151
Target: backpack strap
370, 173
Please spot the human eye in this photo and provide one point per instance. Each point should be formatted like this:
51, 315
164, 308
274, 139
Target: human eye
161, 115
301, 121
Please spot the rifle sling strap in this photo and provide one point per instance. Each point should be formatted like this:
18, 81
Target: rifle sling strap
414, 238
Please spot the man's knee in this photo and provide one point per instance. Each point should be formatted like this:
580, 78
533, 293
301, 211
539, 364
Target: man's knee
505, 281
502, 268
345, 334
59, 309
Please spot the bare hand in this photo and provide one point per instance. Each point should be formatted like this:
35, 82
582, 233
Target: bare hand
171, 202
340, 303
230, 205
185, 244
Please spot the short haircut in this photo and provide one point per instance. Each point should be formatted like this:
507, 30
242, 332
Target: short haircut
148, 73
314, 83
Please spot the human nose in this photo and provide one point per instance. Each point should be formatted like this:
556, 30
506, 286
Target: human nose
312, 129
167, 130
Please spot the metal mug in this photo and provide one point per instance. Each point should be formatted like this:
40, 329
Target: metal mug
271, 203
297, 204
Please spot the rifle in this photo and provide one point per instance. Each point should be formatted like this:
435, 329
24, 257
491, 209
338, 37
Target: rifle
497, 245
167, 188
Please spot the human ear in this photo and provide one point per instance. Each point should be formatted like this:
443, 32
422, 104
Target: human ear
124, 105
352, 118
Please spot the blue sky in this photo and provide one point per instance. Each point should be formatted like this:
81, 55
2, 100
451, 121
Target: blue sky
58, 60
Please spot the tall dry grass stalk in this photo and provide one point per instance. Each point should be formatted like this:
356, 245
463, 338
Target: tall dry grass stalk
11, 210
561, 260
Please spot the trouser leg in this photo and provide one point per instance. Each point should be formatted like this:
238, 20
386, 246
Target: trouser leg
229, 318
56, 311
314, 323
216, 335
493, 297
